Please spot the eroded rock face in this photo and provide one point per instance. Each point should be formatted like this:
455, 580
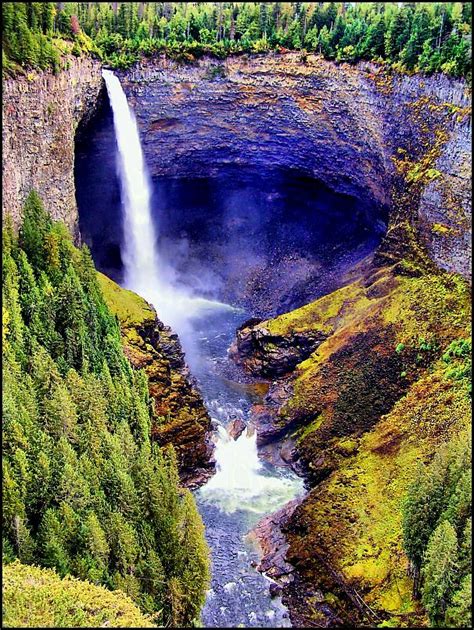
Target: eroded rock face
269, 534
345, 126
264, 354
179, 416
41, 112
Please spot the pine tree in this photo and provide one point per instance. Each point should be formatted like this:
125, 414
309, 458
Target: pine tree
439, 571
195, 560
48, 16
36, 224
459, 613
420, 513
51, 543
83, 489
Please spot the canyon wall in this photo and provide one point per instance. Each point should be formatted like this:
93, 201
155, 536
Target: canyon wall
347, 126
359, 378
41, 112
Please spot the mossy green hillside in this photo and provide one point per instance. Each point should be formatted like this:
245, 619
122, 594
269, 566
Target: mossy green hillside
130, 308
388, 335
384, 390
178, 413
38, 598
353, 518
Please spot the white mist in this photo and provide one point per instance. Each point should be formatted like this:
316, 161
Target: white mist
144, 271
240, 482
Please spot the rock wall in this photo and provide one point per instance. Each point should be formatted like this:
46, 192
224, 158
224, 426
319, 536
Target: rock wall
347, 126
41, 112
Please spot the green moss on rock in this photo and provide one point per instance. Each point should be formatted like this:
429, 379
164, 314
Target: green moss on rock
384, 389
178, 412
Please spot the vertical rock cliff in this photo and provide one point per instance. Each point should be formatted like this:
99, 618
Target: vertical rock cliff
41, 112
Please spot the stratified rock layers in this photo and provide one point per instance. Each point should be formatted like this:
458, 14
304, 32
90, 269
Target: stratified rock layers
41, 112
348, 126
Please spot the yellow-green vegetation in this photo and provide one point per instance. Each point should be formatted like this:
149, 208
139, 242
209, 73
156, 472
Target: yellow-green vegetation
433, 308
130, 308
133, 313
38, 598
357, 512
320, 315
385, 390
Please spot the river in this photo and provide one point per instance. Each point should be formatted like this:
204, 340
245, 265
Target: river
243, 490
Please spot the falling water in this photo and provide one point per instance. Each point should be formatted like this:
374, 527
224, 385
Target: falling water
139, 252
243, 488
145, 272
240, 482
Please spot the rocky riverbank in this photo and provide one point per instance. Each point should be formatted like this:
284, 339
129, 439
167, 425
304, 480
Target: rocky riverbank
179, 416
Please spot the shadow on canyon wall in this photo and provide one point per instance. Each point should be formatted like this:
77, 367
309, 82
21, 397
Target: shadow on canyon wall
267, 237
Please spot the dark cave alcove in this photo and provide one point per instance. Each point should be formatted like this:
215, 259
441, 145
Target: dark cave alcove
268, 238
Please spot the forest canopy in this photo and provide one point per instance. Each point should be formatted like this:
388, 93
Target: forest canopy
409, 36
85, 491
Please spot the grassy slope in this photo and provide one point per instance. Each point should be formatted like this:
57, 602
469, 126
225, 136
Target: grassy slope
374, 398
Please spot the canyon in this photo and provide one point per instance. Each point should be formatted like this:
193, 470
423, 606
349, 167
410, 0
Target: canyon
389, 265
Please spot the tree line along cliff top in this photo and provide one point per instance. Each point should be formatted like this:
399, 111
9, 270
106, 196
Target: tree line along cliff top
409, 36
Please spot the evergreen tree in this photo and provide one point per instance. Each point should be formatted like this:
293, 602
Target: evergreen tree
439, 571
459, 613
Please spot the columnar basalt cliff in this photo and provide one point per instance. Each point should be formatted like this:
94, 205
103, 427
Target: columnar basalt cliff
41, 113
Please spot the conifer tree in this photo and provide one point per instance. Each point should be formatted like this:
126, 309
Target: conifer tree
439, 571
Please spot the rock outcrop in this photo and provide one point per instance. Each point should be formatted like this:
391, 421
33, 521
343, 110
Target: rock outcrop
41, 112
372, 399
178, 413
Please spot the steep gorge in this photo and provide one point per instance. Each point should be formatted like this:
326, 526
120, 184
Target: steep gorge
397, 149
354, 372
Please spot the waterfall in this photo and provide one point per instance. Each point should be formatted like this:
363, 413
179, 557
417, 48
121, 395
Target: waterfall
145, 272
140, 257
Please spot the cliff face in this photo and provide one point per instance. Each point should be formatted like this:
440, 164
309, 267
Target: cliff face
359, 381
360, 131
41, 112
